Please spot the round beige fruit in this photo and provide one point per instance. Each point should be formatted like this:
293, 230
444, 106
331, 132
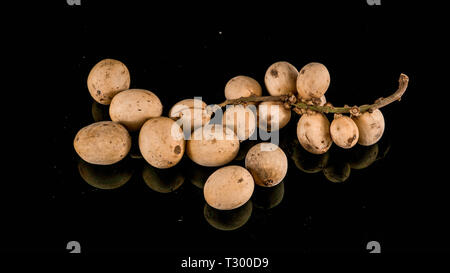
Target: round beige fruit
191, 113
133, 107
102, 143
212, 145
242, 86
228, 188
107, 78
344, 131
313, 81
241, 119
272, 114
313, 133
281, 79
161, 142
371, 127
267, 163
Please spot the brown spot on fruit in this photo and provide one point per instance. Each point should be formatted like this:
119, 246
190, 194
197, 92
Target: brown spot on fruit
99, 92
240, 180
268, 182
274, 73
177, 149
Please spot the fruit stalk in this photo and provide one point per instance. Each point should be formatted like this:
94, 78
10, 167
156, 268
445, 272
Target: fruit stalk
354, 110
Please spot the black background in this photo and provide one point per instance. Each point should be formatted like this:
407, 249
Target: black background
183, 50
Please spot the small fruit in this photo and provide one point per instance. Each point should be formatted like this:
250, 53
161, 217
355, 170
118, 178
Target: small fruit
161, 142
102, 143
107, 78
313, 81
133, 107
272, 114
281, 79
242, 86
267, 163
241, 120
370, 126
228, 188
344, 131
212, 145
313, 132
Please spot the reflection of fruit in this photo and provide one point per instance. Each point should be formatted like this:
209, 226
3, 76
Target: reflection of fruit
363, 156
228, 219
244, 148
163, 180
308, 162
100, 112
337, 170
267, 198
105, 177
199, 174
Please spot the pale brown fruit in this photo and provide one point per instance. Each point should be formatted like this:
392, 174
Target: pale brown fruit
371, 127
281, 79
242, 86
313, 81
271, 114
102, 143
267, 163
161, 142
212, 145
227, 220
190, 111
344, 131
313, 133
228, 188
107, 78
241, 120
133, 107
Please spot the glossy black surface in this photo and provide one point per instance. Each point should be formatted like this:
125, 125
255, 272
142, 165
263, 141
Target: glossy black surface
178, 53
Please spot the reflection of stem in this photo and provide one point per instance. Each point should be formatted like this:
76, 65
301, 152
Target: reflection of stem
381, 102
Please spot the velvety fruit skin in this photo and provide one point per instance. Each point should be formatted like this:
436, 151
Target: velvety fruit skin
228, 188
212, 145
102, 143
267, 163
133, 107
161, 142
281, 79
190, 111
313, 81
370, 126
313, 132
344, 132
242, 86
107, 78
